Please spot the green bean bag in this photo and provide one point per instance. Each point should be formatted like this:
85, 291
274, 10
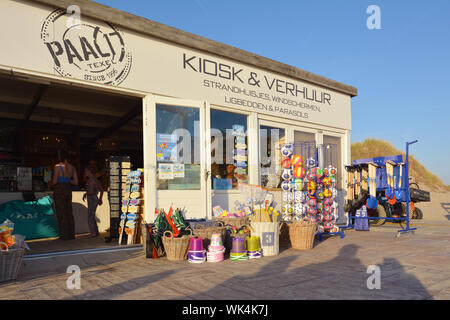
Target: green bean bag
32, 219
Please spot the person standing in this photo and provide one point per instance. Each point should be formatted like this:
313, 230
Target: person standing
64, 176
93, 186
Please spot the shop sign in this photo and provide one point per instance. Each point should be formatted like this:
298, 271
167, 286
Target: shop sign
86, 51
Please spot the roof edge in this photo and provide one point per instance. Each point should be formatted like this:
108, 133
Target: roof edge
158, 30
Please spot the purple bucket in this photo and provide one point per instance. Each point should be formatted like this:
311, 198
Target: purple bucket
196, 256
238, 245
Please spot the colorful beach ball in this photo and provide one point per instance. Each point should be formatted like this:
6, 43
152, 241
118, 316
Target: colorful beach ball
312, 203
286, 174
297, 160
286, 186
286, 163
286, 150
328, 225
319, 173
299, 172
326, 181
311, 176
327, 193
334, 229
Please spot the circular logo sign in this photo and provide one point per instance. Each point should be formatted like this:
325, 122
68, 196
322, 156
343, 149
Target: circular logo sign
86, 51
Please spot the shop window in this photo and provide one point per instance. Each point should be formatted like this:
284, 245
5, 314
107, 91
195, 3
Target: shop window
229, 150
177, 148
270, 141
332, 155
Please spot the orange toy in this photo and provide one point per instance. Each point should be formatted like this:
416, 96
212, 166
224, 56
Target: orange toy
299, 172
297, 160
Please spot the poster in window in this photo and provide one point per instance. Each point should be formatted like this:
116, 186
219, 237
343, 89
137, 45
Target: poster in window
165, 171
166, 147
178, 170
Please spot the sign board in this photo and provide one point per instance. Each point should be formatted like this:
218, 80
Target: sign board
52, 42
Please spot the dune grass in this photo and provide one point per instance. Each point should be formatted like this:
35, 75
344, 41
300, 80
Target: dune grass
370, 148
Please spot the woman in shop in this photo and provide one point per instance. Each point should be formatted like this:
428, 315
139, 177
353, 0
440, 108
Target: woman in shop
64, 176
93, 187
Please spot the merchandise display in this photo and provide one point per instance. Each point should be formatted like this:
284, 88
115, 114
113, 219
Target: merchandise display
310, 192
132, 209
119, 168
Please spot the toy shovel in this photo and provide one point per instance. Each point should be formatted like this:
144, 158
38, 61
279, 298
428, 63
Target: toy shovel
372, 202
399, 193
389, 173
393, 198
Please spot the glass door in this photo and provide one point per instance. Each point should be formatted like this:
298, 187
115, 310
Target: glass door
179, 157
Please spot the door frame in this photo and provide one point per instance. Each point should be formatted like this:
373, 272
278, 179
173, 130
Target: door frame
149, 139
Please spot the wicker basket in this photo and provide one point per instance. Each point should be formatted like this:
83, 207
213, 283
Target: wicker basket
234, 222
10, 262
176, 248
206, 232
302, 234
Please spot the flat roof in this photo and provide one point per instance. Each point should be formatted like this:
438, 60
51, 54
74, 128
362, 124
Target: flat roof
158, 30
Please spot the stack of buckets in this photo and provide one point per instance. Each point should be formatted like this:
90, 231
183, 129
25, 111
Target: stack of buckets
196, 253
215, 249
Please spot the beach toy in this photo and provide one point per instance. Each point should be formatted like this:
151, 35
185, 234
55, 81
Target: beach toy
320, 195
311, 175
328, 226
311, 188
312, 203
327, 193
372, 203
298, 183
311, 163
334, 229
319, 173
286, 196
253, 247
333, 192
328, 202
299, 172
297, 160
286, 174
298, 196
326, 181
331, 171
286, 150
238, 251
196, 253
298, 208
328, 217
287, 209
286, 163
286, 186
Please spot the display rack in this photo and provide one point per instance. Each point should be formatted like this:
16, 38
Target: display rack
297, 200
119, 167
381, 186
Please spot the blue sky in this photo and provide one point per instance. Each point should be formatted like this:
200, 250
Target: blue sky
401, 71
